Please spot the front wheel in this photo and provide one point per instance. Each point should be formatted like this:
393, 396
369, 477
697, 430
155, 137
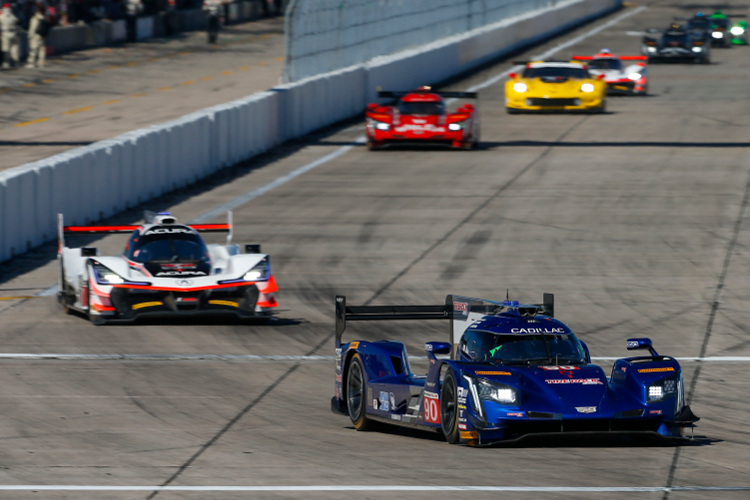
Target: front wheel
355, 395
449, 408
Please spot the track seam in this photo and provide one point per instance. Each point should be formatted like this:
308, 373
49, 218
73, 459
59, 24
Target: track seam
710, 324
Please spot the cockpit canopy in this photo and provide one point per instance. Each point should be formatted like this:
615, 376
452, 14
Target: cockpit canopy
521, 349
175, 247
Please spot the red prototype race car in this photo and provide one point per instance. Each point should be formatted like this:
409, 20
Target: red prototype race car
629, 78
420, 117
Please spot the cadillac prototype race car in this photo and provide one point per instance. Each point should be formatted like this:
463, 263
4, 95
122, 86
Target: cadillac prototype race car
508, 371
630, 78
166, 267
676, 44
555, 86
420, 117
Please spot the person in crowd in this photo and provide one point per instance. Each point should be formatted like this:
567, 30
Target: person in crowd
39, 27
212, 12
277, 4
9, 37
169, 16
133, 8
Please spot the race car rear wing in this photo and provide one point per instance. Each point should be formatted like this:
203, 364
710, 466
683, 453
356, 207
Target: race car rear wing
462, 311
149, 217
622, 58
398, 94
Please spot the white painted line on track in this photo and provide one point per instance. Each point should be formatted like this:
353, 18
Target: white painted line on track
275, 357
379, 488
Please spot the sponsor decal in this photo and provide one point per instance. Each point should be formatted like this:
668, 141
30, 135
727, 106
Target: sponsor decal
462, 427
431, 407
395, 416
560, 368
461, 306
354, 345
419, 128
374, 403
184, 282
656, 370
392, 399
492, 373
515, 414
181, 273
384, 401
632, 344
538, 330
582, 381
654, 412
169, 230
586, 409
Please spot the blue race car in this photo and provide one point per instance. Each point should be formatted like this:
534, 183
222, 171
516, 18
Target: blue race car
510, 371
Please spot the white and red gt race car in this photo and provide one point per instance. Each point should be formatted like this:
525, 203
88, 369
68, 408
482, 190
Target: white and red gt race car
421, 117
624, 75
166, 267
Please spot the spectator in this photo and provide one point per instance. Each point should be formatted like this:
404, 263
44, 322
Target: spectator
267, 11
132, 9
169, 15
39, 27
212, 11
9, 37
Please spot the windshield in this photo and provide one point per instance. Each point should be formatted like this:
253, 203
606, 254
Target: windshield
677, 39
160, 248
699, 23
720, 23
522, 349
421, 108
561, 72
605, 64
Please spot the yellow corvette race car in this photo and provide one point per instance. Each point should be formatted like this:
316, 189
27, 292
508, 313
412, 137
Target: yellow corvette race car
546, 86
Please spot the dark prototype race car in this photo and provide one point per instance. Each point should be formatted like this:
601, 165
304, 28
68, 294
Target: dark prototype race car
509, 371
421, 117
676, 44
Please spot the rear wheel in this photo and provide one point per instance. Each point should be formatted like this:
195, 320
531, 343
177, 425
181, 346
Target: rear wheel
449, 408
355, 395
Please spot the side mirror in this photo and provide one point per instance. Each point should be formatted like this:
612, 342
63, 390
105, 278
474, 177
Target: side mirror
512, 76
437, 347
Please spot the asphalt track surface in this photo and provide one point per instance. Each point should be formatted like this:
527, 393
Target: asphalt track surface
636, 219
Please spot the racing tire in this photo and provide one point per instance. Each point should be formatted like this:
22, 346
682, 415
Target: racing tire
356, 395
449, 408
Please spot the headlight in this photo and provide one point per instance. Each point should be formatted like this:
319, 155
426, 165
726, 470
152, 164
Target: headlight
496, 391
106, 276
661, 390
697, 49
651, 49
520, 87
737, 31
634, 76
717, 34
378, 125
587, 87
455, 127
260, 272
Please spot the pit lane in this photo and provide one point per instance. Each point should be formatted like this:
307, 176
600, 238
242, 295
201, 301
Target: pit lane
636, 220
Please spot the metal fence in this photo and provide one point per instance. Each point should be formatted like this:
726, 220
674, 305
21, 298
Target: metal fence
325, 35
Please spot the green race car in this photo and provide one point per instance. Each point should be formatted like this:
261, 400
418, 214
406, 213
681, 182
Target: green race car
738, 33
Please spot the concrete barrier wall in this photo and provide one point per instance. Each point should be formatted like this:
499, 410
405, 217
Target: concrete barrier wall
325, 35
104, 178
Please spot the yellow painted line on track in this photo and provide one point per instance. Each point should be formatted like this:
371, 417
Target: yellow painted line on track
79, 110
49, 80
206, 78
27, 85
164, 89
20, 297
226, 73
244, 68
140, 94
94, 71
189, 82
32, 122
74, 75
280, 59
111, 101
